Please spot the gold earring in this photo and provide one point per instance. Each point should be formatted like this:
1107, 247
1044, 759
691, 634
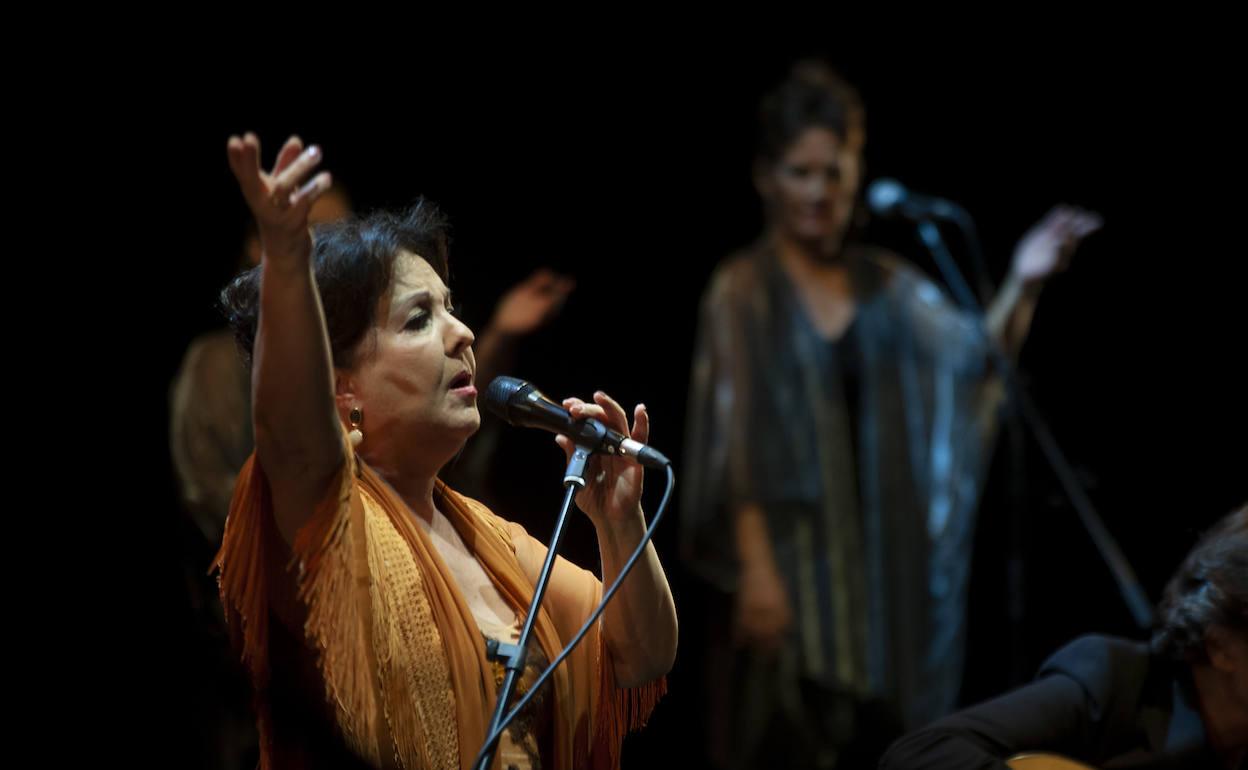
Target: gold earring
356, 436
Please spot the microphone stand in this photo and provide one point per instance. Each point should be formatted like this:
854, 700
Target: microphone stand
513, 655
1023, 410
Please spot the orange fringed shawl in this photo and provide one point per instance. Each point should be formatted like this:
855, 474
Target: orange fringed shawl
399, 653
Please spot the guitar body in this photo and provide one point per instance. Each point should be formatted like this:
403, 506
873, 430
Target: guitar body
1044, 762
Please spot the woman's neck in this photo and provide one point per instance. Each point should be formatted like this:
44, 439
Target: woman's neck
810, 268
815, 253
414, 487
824, 288
412, 470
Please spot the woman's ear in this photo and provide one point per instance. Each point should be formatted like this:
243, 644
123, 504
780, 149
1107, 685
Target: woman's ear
345, 396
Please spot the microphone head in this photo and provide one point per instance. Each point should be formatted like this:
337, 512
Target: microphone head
498, 396
885, 195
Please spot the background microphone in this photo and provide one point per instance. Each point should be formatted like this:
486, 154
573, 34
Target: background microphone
888, 197
518, 403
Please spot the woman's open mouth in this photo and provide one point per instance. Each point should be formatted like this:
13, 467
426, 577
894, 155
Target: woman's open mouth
462, 383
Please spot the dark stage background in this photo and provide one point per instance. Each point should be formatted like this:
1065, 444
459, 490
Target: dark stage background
630, 169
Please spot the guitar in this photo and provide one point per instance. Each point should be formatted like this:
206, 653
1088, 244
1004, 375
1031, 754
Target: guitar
1044, 762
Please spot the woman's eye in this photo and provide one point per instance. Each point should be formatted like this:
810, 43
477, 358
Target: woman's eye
416, 322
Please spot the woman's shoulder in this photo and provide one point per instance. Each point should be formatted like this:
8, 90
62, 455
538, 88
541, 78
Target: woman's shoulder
739, 269
889, 270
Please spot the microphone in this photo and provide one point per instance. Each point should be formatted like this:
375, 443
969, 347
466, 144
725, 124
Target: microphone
888, 197
518, 403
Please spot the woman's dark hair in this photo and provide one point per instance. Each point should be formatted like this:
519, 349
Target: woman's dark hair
353, 261
812, 96
1210, 588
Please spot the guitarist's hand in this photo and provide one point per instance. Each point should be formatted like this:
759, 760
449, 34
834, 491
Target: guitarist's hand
1044, 762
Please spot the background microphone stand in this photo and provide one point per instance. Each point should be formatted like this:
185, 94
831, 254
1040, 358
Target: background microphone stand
1021, 411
